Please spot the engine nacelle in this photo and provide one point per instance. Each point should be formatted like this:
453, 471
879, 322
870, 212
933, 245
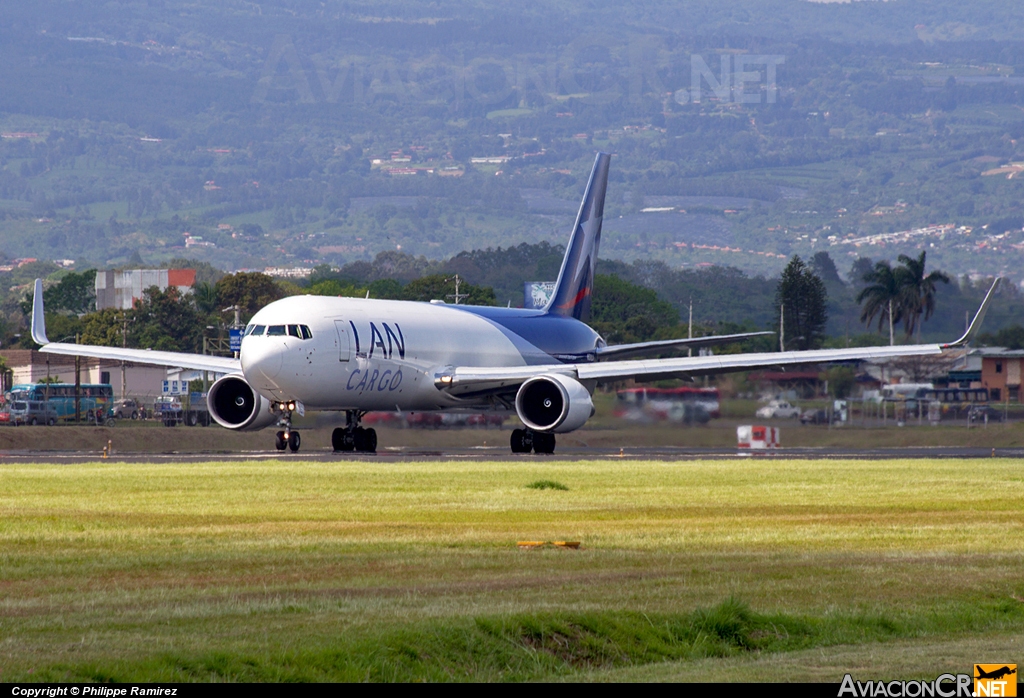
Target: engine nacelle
235, 405
553, 403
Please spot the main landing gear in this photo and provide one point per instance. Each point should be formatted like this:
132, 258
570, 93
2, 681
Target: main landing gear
287, 437
526, 440
353, 437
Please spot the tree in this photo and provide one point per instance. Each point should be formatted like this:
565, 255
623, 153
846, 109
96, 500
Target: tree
104, 328
333, 287
440, 287
823, 266
625, 312
841, 381
205, 295
917, 291
161, 320
74, 294
167, 321
1011, 337
248, 290
881, 298
801, 302
861, 267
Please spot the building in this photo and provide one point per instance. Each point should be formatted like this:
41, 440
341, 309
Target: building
31, 366
120, 289
995, 368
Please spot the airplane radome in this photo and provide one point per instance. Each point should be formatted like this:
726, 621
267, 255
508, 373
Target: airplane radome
361, 355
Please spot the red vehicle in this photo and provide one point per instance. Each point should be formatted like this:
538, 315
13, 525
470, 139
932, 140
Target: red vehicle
675, 404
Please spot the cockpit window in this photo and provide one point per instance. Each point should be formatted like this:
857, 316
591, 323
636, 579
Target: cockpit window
275, 331
257, 329
248, 331
293, 330
306, 334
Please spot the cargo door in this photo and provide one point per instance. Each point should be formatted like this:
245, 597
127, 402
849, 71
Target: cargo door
343, 340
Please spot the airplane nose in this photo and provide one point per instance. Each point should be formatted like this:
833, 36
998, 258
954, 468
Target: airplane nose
262, 358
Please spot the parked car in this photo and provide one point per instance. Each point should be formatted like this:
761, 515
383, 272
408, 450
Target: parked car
778, 409
32, 412
978, 413
127, 409
813, 416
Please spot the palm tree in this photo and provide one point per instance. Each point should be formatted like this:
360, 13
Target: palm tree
883, 296
917, 292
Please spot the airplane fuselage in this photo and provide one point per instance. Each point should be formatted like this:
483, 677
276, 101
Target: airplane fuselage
335, 353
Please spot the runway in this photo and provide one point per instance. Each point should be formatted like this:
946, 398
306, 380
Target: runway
501, 453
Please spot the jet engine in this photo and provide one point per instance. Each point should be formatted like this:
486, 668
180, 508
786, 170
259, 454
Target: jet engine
553, 403
235, 405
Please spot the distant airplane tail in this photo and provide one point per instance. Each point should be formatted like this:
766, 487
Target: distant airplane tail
571, 297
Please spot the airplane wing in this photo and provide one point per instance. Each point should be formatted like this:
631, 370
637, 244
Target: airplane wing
623, 351
198, 362
469, 380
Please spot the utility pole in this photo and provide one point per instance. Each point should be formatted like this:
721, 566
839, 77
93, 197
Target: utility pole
78, 385
124, 344
782, 328
237, 324
457, 296
689, 335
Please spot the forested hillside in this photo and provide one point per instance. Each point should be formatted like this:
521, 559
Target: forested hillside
291, 133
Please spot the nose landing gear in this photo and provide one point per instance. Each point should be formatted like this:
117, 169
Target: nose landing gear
526, 440
287, 438
353, 437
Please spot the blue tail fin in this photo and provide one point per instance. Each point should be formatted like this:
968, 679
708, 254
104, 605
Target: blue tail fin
576, 279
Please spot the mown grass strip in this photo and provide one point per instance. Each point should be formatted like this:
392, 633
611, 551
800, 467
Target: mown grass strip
538, 646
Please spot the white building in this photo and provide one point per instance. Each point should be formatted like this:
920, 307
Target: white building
120, 289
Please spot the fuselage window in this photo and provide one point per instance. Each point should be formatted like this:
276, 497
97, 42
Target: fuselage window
293, 330
258, 330
306, 334
276, 331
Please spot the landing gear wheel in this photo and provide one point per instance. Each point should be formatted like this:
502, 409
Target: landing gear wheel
521, 441
294, 440
544, 443
341, 440
279, 442
365, 440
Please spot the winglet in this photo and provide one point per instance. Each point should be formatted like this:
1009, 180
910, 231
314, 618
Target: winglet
38, 319
979, 317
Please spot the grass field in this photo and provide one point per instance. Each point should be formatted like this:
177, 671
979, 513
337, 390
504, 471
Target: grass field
349, 570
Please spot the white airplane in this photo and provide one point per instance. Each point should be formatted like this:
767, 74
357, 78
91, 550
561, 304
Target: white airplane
359, 355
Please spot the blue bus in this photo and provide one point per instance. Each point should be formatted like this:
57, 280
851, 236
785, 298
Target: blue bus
94, 399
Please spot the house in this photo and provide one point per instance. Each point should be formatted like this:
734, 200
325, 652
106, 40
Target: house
995, 368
